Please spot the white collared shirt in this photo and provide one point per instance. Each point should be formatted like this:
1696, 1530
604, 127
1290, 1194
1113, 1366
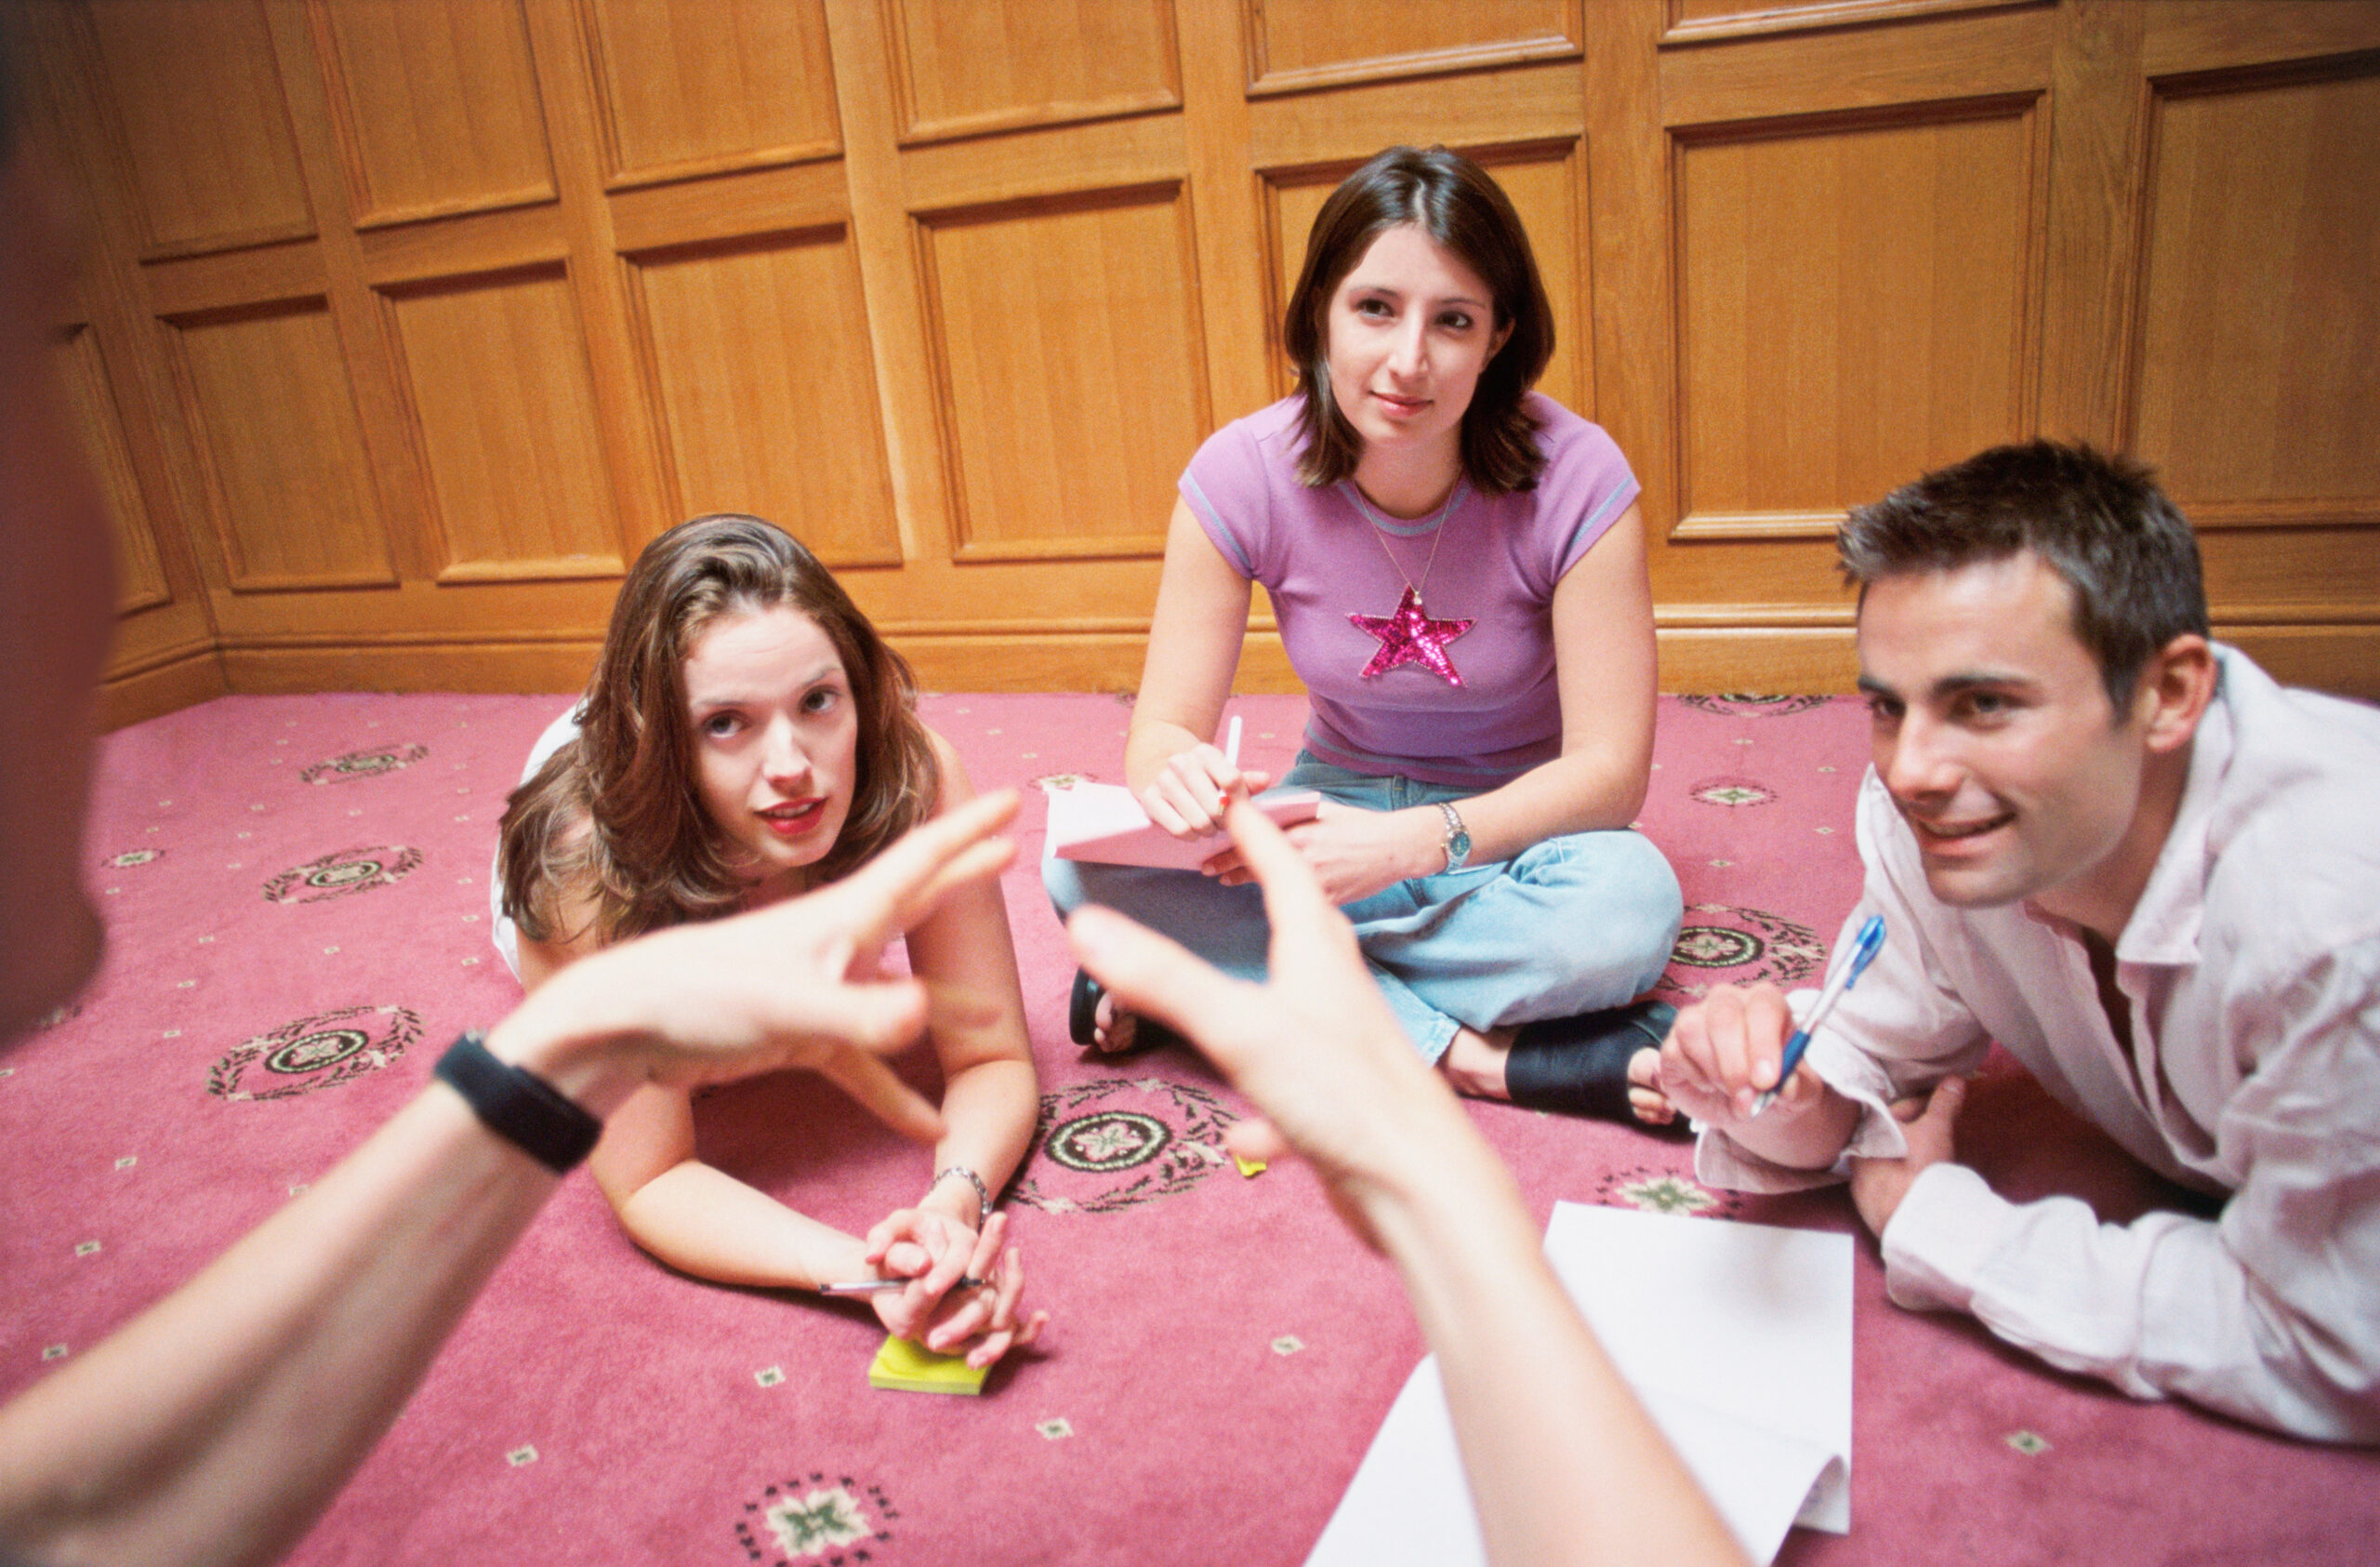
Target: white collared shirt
2252, 964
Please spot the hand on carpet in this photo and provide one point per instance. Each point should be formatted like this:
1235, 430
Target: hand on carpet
1930, 1123
928, 1246
980, 1317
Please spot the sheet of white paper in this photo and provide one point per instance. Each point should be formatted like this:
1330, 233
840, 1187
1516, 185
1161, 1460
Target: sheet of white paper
1749, 1320
1408, 1502
1770, 1476
1737, 1338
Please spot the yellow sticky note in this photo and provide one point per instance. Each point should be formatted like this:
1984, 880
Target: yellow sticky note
907, 1367
1252, 1168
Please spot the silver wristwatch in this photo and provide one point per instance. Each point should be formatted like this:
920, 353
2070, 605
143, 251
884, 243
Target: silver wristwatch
1458, 839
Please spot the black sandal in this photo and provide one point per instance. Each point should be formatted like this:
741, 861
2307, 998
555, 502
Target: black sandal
1579, 1065
1083, 1021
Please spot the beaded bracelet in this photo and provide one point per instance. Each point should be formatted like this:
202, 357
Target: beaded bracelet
982, 1194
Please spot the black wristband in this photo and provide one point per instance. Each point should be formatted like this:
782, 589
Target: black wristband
519, 1106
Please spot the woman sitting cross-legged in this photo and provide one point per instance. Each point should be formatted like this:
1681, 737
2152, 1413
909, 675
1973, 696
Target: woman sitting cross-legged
749, 736
1457, 565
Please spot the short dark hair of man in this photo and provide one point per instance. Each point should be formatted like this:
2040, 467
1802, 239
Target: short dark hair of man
2098, 521
1453, 201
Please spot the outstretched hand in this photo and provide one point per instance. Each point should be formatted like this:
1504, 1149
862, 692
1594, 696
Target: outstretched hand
1315, 1047
793, 984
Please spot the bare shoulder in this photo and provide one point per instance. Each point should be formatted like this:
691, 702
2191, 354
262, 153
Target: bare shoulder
955, 789
568, 906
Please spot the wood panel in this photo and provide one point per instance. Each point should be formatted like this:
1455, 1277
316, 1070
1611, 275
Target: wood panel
1699, 20
266, 402
437, 105
196, 91
962, 68
139, 572
2259, 348
515, 462
1068, 350
788, 436
1852, 311
738, 83
413, 318
1300, 45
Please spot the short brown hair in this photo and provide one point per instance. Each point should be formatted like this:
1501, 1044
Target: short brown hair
2098, 521
1453, 201
614, 815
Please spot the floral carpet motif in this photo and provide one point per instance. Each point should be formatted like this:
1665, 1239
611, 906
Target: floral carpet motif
314, 1053
1117, 1143
814, 1522
1221, 1349
338, 875
371, 764
1719, 945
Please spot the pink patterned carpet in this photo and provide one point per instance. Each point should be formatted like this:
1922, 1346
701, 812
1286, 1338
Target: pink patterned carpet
296, 893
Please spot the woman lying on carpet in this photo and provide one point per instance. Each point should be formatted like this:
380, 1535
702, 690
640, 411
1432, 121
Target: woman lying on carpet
1564, 1464
1479, 769
748, 737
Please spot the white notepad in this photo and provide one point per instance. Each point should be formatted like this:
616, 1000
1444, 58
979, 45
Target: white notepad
1736, 1338
1104, 822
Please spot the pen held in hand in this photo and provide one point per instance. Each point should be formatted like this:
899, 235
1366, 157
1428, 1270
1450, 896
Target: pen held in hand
1864, 948
879, 1286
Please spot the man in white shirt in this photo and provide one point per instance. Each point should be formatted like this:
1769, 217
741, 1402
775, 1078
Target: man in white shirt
2153, 876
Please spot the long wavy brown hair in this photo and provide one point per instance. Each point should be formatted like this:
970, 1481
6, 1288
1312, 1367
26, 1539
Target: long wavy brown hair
613, 816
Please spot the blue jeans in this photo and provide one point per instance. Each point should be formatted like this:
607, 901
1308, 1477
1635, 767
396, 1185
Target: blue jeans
1575, 924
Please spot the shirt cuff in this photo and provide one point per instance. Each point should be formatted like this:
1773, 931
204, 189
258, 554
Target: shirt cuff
1938, 1240
1719, 1161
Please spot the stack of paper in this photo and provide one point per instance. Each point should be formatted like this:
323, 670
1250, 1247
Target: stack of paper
1103, 822
1737, 1338
905, 1367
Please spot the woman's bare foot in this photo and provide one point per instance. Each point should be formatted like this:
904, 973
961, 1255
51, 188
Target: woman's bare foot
1474, 1063
1112, 1032
1645, 1096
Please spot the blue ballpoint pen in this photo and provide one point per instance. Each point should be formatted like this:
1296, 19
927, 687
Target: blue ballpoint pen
1864, 948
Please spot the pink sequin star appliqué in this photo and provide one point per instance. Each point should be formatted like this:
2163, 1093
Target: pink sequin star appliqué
1410, 637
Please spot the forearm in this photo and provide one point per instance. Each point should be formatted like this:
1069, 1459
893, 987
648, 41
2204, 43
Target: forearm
262, 1381
1813, 1140
1584, 791
1564, 1464
2163, 1307
991, 1109
702, 1221
1150, 744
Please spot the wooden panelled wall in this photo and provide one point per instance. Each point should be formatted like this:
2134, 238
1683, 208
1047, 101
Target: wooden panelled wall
410, 321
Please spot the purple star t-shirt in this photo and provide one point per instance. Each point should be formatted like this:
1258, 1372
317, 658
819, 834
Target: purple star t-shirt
1325, 554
